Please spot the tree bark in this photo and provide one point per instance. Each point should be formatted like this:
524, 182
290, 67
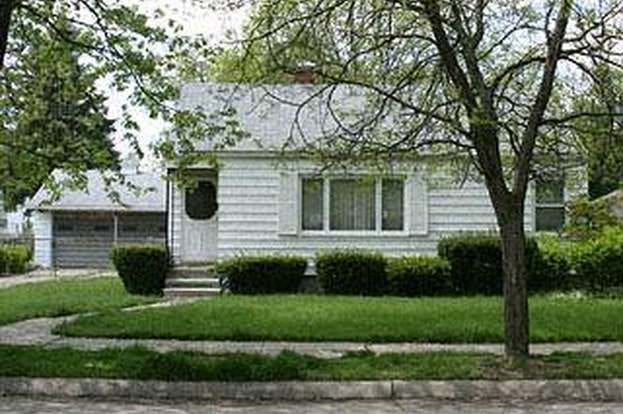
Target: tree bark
510, 213
6, 10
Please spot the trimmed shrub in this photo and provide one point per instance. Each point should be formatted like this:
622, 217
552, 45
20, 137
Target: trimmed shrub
252, 275
552, 270
14, 259
419, 276
352, 272
599, 262
142, 268
476, 262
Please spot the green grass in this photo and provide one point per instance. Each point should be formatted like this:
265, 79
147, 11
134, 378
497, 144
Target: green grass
142, 364
326, 318
64, 297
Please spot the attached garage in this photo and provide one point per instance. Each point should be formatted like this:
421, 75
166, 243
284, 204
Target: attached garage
79, 229
84, 240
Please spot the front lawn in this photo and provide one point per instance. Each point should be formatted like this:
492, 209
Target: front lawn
64, 297
142, 364
335, 318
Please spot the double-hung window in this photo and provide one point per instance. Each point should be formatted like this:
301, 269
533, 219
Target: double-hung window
353, 204
550, 205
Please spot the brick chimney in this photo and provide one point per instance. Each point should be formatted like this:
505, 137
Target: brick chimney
305, 74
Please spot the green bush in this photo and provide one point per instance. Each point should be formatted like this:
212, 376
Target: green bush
352, 272
598, 262
14, 259
419, 276
476, 262
142, 268
249, 275
552, 270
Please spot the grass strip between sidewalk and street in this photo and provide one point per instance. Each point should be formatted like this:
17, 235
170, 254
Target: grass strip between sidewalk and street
64, 297
309, 318
142, 364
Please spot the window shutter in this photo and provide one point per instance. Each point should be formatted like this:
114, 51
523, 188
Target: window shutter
288, 204
418, 203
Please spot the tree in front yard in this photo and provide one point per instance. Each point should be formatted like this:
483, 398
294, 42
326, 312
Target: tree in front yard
492, 83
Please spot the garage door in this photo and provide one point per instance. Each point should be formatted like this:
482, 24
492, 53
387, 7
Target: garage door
84, 240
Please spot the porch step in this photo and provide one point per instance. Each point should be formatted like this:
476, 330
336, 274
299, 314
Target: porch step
185, 292
192, 272
209, 282
192, 281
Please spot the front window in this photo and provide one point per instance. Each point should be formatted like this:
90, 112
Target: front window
550, 205
354, 204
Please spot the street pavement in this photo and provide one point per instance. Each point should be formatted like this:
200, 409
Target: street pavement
15, 405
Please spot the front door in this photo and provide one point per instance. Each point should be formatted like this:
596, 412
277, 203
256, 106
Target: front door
200, 223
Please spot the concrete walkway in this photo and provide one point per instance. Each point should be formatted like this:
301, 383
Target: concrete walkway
37, 276
39, 332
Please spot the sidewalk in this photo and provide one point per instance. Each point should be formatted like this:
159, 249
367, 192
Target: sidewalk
39, 332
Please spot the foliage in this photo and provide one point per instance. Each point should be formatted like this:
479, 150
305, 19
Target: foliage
14, 259
142, 268
250, 275
58, 118
602, 137
134, 51
64, 297
476, 262
553, 267
352, 272
586, 219
419, 276
599, 261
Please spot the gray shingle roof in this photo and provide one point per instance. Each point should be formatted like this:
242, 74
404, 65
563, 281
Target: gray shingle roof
97, 197
273, 115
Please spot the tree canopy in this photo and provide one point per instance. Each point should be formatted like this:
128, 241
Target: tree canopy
55, 117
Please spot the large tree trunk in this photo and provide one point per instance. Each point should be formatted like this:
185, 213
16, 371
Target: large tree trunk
6, 10
516, 316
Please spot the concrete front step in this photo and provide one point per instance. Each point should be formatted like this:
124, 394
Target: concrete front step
192, 271
185, 292
210, 282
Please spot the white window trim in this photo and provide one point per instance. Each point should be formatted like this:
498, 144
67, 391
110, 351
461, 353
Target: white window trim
326, 205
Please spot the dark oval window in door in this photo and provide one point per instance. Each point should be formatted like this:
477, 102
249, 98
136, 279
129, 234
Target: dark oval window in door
201, 201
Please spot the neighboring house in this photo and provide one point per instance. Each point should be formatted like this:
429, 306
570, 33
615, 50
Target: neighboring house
262, 201
80, 228
615, 203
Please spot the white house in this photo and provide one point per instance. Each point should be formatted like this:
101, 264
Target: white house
262, 200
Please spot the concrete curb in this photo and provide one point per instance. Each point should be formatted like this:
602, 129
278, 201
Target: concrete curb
581, 390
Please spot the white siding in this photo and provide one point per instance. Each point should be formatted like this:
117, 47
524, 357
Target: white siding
42, 229
249, 193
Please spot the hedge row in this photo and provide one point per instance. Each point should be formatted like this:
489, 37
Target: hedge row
592, 265
262, 275
14, 259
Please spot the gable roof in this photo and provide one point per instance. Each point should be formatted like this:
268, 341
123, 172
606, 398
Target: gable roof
96, 196
274, 115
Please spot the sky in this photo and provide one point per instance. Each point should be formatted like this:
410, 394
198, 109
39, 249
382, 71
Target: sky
195, 20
